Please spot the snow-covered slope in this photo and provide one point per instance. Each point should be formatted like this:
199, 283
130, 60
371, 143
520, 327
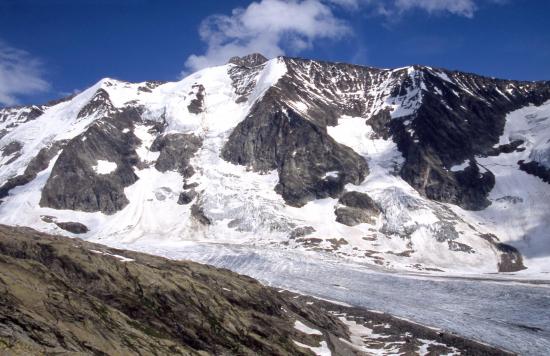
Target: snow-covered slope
377, 166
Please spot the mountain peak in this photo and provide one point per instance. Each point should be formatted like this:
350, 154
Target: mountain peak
250, 60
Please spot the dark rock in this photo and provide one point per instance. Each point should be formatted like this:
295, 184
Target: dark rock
36, 165
353, 216
274, 137
309, 241
74, 227
186, 197
360, 201
100, 103
506, 148
380, 123
190, 185
536, 169
196, 106
358, 208
150, 85
457, 246
301, 232
510, 259
250, 60
75, 185
243, 80
47, 218
336, 243
450, 128
11, 148
426, 173
19, 115
198, 213
445, 231
176, 150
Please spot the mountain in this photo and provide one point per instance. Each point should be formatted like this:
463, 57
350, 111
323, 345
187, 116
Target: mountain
66, 296
414, 168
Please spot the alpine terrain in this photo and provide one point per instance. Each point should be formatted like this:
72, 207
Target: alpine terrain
414, 168
65, 296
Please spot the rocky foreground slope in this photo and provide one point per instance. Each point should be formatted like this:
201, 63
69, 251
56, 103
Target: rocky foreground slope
413, 168
66, 296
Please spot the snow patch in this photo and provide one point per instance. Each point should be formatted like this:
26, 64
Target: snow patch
121, 258
321, 350
298, 325
104, 167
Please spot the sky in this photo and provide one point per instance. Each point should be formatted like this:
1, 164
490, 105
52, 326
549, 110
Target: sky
53, 48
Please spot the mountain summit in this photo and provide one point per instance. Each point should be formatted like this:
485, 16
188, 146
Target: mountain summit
413, 168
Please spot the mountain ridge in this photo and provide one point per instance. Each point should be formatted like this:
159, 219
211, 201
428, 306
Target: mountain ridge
263, 151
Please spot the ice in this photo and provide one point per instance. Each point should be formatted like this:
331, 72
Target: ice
505, 311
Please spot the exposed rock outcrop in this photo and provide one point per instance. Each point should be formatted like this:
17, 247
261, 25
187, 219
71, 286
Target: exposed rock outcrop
251, 60
74, 182
175, 152
357, 208
196, 106
74, 227
311, 165
536, 169
36, 165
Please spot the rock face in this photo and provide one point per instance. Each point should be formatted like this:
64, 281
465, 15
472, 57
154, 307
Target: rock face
75, 184
175, 152
463, 118
74, 227
251, 60
196, 106
36, 165
311, 165
357, 208
536, 169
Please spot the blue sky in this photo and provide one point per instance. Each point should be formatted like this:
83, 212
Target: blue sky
51, 48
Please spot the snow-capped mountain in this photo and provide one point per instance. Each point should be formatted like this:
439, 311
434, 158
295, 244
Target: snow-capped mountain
416, 168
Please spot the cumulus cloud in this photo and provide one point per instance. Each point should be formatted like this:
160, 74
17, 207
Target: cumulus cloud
465, 8
458, 7
273, 27
268, 27
20, 74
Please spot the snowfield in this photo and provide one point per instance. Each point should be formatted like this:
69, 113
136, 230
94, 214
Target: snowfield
410, 233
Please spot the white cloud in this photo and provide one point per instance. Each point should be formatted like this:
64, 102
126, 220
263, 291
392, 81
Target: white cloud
20, 74
273, 27
392, 8
268, 27
458, 7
